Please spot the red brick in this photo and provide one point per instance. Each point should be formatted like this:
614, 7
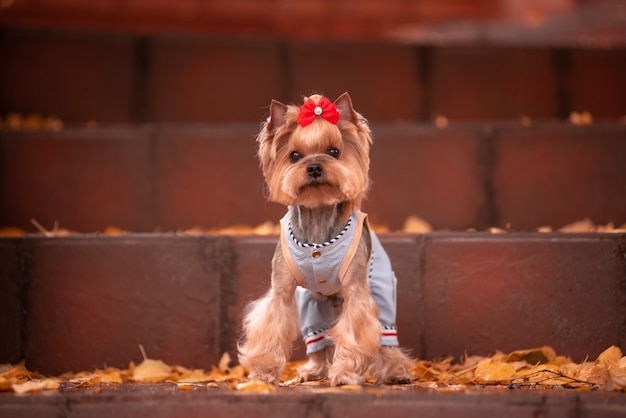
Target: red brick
164, 400
429, 172
506, 292
251, 280
10, 302
322, 19
382, 79
76, 76
210, 177
474, 83
86, 180
596, 82
93, 300
457, 177
404, 252
200, 79
554, 175
513, 405
457, 292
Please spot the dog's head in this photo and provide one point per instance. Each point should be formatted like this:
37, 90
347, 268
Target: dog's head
316, 154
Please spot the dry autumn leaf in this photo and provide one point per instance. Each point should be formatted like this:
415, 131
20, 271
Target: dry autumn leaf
151, 371
224, 362
255, 386
581, 118
5, 384
416, 224
593, 373
90, 382
618, 376
412, 224
537, 367
31, 121
114, 231
35, 386
610, 356
194, 376
441, 121
539, 355
109, 375
546, 374
489, 370
56, 231
12, 232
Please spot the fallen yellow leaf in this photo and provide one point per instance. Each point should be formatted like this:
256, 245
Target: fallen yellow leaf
540, 355
610, 356
194, 376
594, 373
109, 375
417, 225
5, 384
224, 362
35, 386
488, 370
255, 386
618, 376
89, 382
151, 371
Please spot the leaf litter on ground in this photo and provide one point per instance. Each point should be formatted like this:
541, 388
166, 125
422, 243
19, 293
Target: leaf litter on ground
532, 368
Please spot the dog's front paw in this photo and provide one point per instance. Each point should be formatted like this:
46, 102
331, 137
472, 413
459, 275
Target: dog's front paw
401, 379
391, 366
269, 376
346, 378
316, 368
311, 372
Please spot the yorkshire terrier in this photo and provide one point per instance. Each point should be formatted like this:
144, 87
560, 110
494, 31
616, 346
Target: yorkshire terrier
329, 268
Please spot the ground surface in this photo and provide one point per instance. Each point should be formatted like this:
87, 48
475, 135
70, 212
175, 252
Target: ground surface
219, 400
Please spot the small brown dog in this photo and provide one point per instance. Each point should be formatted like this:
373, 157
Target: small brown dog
329, 269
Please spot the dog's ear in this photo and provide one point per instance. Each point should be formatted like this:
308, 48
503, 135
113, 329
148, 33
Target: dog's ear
344, 106
277, 116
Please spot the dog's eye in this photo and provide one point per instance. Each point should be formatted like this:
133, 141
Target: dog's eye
333, 152
295, 156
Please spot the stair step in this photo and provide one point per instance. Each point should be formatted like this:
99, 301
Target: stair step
158, 401
87, 301
137, 78
168, 177
587, 23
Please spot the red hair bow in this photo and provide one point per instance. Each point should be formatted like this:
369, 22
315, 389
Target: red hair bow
325, 108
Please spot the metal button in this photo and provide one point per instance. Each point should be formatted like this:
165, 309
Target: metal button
316, 254
321, 281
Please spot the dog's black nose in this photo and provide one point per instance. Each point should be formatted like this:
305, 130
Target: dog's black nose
314, 170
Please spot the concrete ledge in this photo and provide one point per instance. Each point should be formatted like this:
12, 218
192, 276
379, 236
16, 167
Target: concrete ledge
86, 301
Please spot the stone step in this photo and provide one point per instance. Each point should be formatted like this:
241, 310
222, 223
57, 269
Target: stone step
163, 177
158, 77
160, 401
88, 301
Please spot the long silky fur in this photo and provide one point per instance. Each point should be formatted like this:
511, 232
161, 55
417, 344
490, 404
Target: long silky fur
269, 327
318, 209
